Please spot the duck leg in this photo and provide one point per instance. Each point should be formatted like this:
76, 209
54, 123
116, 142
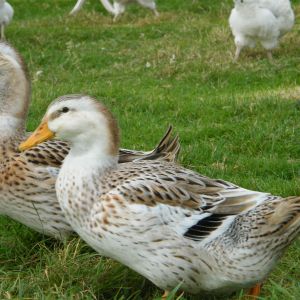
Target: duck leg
165, 295
151, 5
237, 53
156, 13
254, 291
119, 9
116, 18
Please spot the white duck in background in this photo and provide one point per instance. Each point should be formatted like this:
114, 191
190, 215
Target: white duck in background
170, 224
264, 21
6, 15
118, 7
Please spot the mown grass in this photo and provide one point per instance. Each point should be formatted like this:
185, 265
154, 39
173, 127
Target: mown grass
239, 122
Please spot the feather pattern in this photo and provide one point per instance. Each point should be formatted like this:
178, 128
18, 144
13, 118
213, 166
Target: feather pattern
27, 179
154, 215
170, 224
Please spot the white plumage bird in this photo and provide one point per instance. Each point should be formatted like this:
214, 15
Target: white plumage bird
6, 14
118, 7
264, 21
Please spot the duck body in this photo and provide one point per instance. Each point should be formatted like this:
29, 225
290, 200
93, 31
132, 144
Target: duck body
170, 224
264, 21
133, 220
27, 194
27, 179
6, 15
283, 12
27, 182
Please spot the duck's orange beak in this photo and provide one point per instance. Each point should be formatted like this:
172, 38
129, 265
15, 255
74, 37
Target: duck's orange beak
41, 134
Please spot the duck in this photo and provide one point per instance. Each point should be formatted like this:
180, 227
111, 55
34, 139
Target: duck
265, 21
118, 7
27, 179
170, 224
6, 15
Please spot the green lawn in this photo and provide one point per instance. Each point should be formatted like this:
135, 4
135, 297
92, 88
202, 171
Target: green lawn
239, 122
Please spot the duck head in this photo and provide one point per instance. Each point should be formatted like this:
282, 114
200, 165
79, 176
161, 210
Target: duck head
80, 120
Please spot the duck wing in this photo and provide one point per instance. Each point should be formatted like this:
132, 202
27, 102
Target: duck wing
191, 204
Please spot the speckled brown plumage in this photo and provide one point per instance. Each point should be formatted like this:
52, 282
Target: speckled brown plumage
170, 224
27, 179
27, 182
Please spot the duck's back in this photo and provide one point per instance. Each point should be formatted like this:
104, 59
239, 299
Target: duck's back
159, 218
283, 11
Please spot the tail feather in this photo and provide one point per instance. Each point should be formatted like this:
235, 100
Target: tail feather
266, 231
167, 149
276, 219
286, 214
168, 145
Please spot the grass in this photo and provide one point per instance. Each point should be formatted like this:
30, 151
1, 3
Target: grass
239, 122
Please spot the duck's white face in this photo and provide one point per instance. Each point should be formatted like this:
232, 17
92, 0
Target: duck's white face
77, 119
71, 118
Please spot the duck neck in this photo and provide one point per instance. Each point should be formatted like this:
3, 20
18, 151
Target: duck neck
92, 157
14, 101
12, 131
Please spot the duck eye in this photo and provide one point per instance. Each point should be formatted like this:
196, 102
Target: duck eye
65, 109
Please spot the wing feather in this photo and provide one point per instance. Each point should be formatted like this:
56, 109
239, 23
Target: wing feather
194, 206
